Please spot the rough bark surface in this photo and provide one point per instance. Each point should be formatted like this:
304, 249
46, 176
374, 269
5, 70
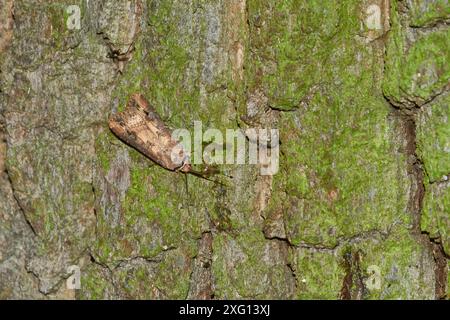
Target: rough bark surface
359, 89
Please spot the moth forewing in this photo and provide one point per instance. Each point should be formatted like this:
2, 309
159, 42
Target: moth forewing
141, 127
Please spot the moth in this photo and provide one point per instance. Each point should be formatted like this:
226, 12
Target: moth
140, 126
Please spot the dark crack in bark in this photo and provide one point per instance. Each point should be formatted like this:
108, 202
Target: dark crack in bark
201, 281
353, 287
4, 170
417, 174
441, 265
19, 206
407, 112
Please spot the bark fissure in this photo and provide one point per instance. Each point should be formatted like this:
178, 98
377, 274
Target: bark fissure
19, 206
201, 286
353, 286
351, 192
417, 172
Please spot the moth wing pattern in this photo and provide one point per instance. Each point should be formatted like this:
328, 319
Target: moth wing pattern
142, 128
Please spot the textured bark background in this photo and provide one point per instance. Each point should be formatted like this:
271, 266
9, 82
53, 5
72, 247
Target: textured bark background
359, 90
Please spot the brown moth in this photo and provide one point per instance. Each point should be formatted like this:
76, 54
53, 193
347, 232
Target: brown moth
141, 127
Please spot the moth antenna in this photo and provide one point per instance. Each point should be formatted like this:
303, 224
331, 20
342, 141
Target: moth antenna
226, 175
200, 175
187, 193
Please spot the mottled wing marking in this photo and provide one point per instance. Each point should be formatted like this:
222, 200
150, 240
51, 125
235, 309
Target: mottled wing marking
141, 127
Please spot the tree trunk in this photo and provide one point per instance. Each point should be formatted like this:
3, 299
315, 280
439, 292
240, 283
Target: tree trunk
358, 89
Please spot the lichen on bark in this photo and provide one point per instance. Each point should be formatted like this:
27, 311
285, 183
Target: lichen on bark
357, 89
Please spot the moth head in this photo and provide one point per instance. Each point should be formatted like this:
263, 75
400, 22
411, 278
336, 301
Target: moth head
116, 120
186, 167
138, 101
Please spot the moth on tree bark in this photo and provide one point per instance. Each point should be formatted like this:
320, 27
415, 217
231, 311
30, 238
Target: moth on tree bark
141, 127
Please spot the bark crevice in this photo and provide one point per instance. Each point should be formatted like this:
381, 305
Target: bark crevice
417, 172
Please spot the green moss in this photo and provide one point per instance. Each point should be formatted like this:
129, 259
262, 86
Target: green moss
167, 69
416, 74
338, 147
247, 266
94, 284
161, 69
425, 13
435, 218
154, 281
147, 212
433, 138
58, 17
403, 265
426, 70
104, 150
395, 48
387, 267
156, 204
56, 200
289, 42
319, 275
173, 274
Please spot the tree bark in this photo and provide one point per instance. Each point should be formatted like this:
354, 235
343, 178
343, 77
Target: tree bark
358, 89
